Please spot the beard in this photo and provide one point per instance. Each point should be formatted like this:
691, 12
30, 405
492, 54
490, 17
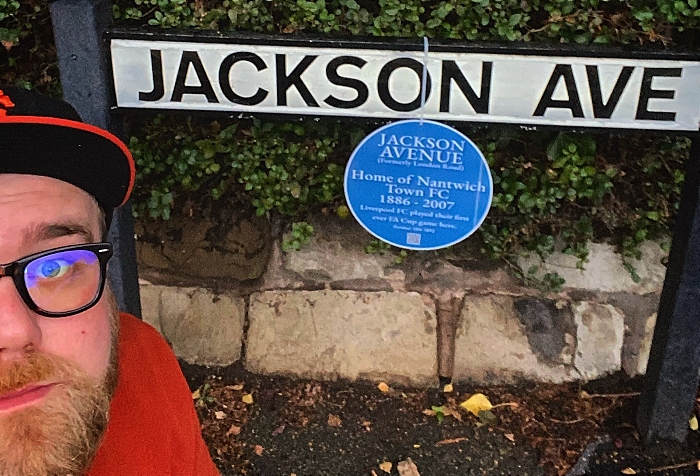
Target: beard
60, 435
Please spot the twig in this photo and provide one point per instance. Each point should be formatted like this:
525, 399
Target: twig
613, 395
510, 404
673, 466
569, 422
450, 441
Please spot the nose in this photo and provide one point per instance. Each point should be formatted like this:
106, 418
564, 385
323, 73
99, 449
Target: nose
19, 329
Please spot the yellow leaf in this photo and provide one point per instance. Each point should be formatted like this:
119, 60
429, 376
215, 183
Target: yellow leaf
386, 466
476, 403
418, 446
447, 388
247, 398
694, 423
196, 395
383, 387
628, 471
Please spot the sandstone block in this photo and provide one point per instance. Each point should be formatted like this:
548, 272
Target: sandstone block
492, 346
600, 332
604, 270
203, 328
327, 334
638, 361
150, 303
640, 318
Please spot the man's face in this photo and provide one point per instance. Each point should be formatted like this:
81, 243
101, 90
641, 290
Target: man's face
56, 374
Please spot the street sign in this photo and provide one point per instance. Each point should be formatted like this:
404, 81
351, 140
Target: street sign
419, 185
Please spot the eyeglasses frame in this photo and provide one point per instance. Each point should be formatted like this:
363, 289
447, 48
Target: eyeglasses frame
15, 270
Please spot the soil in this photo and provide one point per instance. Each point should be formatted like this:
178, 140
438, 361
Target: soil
268, 426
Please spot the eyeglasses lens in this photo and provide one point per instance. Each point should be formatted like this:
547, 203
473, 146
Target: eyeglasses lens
63, 281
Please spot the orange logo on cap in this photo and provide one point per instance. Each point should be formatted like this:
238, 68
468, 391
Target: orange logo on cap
5, 103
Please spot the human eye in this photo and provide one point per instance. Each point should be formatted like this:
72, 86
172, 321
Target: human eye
52, 268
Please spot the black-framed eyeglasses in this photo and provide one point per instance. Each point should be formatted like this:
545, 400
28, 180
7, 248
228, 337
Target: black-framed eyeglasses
62, 281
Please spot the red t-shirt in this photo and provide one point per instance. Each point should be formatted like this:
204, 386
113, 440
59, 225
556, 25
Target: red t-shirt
153, 427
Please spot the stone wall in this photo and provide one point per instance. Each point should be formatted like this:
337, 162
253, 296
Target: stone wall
333, 311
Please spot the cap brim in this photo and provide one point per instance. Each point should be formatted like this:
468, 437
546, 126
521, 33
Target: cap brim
81, 154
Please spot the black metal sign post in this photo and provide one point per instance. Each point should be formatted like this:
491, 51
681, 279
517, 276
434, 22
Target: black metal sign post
671, 381
79, 26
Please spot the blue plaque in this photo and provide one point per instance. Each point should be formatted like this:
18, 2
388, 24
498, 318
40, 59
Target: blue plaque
418, 185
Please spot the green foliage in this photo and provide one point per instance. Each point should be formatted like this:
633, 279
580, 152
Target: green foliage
480, 19
285, 169
250, 15
8, 8
202, 396
282, 167
575, 21
27, 53
299, 236
379, 247
533, 192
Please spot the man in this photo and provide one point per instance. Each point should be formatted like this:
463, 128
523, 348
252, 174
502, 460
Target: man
84, 390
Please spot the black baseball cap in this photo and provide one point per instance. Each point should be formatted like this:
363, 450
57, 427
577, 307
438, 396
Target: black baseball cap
41, 135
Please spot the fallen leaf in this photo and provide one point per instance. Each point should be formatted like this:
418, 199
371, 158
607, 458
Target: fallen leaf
367, 425
8, 44
407, 468
628, 471
487, 417
476, 403
234, 387
447, 388
259, 450
447, 411
247, 398
334, 421
510, 437
234, 430
383, 387
196, 395
694, 423
386, 466
278, 430
219, 415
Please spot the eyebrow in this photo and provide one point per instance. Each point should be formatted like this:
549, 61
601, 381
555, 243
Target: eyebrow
48, 231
